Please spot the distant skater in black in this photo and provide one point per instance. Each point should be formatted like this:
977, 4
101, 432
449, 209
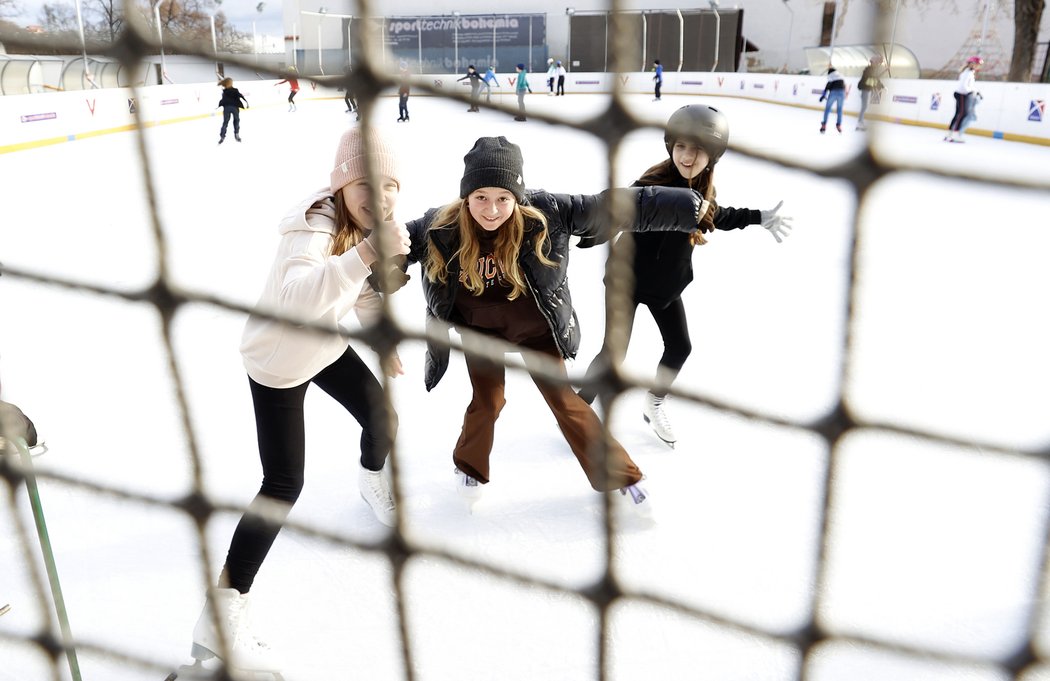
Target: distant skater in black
231, 107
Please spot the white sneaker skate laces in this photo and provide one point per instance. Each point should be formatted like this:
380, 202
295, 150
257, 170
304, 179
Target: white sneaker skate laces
247, 652
375, 490
654, 414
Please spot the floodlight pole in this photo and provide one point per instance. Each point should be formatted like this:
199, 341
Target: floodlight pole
718, 30
160, 39
569, 11
83, 46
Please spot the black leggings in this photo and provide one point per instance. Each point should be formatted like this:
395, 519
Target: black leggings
282, 449
674, 330
960, 111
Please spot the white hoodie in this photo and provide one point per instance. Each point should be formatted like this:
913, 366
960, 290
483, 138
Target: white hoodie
308, 284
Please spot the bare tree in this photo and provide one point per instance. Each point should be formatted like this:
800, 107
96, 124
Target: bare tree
1027, 16
103, 19
58, 18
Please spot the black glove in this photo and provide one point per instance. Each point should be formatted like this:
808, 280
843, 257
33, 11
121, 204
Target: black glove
821, 98
389, 275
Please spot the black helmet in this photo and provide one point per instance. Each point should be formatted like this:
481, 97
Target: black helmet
702, 124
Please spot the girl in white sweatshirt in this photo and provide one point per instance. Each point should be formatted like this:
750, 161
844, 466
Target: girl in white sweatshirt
329, 247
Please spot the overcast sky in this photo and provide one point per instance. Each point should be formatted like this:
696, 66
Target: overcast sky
240, 12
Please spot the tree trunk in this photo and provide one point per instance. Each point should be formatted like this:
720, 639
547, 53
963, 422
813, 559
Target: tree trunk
1027, 15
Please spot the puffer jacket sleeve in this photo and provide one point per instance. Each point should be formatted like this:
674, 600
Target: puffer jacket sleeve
417, 234
656, 209
438, 353
727, 218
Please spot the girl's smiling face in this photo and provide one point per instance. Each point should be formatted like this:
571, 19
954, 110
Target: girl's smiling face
689, 159
491, 206
358, 198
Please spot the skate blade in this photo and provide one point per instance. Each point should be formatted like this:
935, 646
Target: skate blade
669, 443
197, 672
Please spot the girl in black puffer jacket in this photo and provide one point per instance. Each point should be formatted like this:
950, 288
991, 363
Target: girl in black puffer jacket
495, 262
696, 137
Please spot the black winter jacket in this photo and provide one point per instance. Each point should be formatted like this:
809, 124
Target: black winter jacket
231, 96
663, 261
657, 209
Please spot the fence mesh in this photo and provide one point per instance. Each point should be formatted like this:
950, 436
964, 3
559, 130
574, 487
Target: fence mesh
809, 645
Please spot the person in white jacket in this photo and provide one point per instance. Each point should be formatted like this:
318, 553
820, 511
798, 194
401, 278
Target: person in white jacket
966, 86
330, 243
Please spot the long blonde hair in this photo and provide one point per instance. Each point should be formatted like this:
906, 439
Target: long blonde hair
523, 221
665, 174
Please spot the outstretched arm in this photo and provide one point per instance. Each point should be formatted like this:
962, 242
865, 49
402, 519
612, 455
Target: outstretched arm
655, 209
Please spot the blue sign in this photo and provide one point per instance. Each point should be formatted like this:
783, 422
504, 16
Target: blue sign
1036, 109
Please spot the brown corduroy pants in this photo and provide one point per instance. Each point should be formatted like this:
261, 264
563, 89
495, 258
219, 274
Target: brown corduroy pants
578, 423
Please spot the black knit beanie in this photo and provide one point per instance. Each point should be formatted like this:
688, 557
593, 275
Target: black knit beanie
493, 162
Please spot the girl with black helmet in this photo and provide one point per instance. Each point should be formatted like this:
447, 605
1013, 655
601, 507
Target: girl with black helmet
695, 138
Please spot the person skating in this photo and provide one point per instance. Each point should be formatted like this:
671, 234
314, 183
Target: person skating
834, 93
966, 86
475, 87
560, 75
521, 86
403, 91
696, 138
231, 103
329, 247
495, 261
658, 79
552, 74
490, 79
349, 98
869, 83
293, 87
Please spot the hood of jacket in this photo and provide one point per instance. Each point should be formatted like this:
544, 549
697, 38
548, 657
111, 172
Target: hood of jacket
315, 213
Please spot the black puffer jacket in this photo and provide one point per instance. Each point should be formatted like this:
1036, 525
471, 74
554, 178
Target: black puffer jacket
657, 209
663, 261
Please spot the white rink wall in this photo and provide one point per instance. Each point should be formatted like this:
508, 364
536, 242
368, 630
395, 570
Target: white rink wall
1013, 111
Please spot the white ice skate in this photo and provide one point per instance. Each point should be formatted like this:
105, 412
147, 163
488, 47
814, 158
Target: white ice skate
654, 414
469, 488
375, 490
250, 658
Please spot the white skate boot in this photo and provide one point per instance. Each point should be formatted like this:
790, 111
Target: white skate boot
249, 657
375, 490
654, 415
469, 488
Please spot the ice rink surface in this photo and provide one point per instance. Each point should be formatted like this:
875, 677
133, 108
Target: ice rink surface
930, 546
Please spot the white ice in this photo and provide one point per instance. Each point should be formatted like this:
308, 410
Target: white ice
930, 546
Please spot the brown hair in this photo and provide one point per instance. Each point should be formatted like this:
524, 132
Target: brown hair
665, 174
523, 221
226, 82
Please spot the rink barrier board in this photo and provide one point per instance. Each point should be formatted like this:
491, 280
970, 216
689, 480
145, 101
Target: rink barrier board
1009, 111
